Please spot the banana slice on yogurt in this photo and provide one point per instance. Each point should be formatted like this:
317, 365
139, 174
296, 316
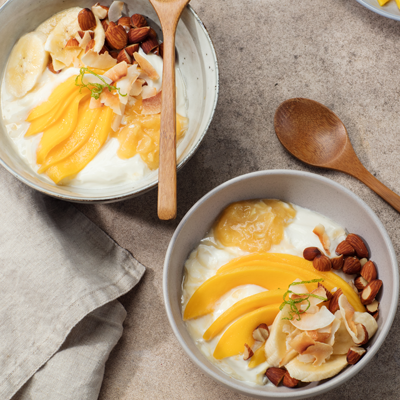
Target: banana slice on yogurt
26, 64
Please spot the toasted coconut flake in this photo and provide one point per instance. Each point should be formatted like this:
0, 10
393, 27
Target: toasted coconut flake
125, 83
95, 103
309, 322
99, 11
101, 61
115, 11
333, 329
85, 40
306, 358
319, 230
99, 36
301, 342
298, 289
152, 105
148, 91
319, 336
343, 340
347, 312
58, 65
367, 320
111, 100
136, 88
146, 67
117, 71
320, 351
90, 78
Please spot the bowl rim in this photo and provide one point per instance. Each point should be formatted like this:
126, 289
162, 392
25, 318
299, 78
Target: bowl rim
327, 385
151, 185
379, 11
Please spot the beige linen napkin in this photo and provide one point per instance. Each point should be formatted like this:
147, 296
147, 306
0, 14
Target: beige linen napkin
59, 278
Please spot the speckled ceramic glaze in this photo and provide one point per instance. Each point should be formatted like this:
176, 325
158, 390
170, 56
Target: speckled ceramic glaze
389, 10
196, 60
304, 189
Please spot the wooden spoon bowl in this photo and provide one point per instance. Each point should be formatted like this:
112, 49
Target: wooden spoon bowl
315, 135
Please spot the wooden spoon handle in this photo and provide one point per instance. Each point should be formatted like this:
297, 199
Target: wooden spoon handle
361, 173
167, 168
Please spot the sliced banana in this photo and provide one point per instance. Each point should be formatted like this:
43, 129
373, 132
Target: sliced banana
26, 64
311, 373
47, 26
66, 28
275, 347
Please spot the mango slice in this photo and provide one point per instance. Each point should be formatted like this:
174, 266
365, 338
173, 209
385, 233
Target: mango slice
87, 119
57, 97
258, 357
204, 298
241, 332
71, 165
242, 307
61, 130
331, 280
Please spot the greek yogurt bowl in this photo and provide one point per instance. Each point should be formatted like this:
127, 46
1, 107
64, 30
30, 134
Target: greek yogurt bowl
306, 190
197, 79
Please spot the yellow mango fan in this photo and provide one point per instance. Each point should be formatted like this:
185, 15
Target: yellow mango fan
72, 132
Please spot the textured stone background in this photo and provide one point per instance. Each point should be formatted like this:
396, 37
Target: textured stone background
332, 51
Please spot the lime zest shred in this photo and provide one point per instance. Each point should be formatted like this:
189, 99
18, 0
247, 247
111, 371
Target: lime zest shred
95, 88
294, 311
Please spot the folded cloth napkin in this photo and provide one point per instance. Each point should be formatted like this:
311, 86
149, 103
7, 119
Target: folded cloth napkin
59, 278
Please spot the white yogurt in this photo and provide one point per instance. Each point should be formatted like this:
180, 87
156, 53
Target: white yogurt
209, 256
106, 169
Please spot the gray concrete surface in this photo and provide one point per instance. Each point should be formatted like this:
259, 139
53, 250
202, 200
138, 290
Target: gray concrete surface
332, 51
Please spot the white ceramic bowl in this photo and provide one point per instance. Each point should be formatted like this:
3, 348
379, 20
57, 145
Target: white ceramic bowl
304, 189
389, 10
196, 60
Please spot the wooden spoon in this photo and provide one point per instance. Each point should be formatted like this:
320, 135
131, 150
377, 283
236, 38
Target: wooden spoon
169, 12
315, 135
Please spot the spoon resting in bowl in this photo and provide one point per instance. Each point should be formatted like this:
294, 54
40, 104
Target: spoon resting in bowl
169, 12
315, 135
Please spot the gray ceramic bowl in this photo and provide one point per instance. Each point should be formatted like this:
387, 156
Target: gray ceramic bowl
306, 190
389, 10
196, 60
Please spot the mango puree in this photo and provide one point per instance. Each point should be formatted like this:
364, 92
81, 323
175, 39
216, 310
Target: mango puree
141, 134
254, 225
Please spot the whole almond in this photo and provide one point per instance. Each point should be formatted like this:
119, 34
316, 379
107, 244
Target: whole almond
126, 23
116, 37
114, 53
369, 293
351, 266
311, 252
360, 283
337, 262
161, 49
86, 20
275, 375
345, 248
137, 35
354, 354
153, 34
334, 303
358, 244
368, 271
288, 381
149, 45
138, 21
322, 263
